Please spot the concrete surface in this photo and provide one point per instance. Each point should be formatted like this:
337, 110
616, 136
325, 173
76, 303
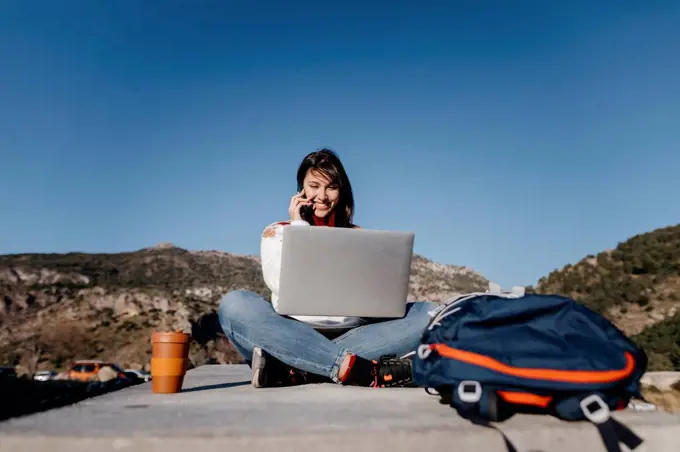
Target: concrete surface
219, 411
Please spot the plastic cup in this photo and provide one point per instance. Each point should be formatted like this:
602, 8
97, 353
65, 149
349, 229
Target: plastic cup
169, 361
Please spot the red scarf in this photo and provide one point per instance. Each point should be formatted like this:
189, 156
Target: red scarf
327, 221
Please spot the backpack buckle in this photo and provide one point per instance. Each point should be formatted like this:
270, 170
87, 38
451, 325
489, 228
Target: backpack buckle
470, 391
424, 351
595, 410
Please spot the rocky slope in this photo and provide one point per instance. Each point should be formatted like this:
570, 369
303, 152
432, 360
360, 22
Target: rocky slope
58, 307
637, 286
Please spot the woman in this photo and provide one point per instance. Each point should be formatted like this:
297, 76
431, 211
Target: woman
285, 350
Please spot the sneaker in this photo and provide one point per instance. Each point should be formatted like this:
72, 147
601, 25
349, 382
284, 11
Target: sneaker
391, 371
386, 371
270, 372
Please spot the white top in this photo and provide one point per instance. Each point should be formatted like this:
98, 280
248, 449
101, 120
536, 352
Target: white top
270, 255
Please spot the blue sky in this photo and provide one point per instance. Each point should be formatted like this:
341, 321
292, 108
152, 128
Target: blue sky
511, 137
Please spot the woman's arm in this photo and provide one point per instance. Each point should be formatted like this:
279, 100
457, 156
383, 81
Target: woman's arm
270, 253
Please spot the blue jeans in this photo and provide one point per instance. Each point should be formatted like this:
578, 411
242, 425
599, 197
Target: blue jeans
250, 321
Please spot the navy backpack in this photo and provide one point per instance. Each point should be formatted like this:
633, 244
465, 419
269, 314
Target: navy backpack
491, 355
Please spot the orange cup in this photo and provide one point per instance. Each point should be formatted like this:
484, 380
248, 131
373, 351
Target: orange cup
169, 361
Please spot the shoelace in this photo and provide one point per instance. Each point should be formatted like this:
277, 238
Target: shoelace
297, 376
392, 371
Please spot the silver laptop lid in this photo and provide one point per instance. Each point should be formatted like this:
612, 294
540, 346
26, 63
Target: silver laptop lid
344, 272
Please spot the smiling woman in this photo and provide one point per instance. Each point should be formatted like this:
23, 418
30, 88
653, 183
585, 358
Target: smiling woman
286, 350
325, 194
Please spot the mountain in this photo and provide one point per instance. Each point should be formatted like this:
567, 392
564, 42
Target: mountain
58, 307
637, 286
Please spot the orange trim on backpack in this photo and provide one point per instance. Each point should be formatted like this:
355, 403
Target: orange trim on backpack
525, 398
566, 376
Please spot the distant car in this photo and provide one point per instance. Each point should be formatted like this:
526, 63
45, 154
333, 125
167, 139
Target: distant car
138, 374
87, 370
44, 375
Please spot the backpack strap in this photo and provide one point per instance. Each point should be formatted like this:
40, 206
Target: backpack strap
452, 305
468, 397
612, 431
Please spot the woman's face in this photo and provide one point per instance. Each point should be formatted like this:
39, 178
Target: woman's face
319, 188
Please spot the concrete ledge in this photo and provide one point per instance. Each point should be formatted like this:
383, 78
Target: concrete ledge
218, 410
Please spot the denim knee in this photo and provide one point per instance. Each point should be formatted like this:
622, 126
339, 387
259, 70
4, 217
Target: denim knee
236, 306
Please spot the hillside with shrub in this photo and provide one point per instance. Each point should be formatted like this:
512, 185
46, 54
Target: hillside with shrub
55, 308
58, 307
636, 285
662, 343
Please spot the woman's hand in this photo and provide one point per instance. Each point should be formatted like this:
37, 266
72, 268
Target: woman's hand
296, 203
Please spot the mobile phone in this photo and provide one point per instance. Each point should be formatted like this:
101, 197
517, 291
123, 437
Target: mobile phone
307, 212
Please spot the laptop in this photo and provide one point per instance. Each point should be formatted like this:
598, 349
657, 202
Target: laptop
344, 272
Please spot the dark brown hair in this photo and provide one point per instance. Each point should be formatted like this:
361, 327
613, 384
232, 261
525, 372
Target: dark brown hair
327, 163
